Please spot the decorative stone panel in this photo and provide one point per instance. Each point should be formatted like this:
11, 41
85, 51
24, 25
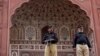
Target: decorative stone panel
61, 14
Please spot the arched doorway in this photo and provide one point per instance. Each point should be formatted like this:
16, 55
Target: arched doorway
31, 18
44, 30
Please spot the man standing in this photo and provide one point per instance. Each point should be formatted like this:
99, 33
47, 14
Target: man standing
50, 40
81, 43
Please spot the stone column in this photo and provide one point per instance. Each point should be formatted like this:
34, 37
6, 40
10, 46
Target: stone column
96, 26
4, 28
1, 6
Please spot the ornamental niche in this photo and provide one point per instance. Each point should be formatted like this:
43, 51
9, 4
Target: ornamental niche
30, 20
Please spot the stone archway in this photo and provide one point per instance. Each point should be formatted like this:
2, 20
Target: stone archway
44, 30
33, 15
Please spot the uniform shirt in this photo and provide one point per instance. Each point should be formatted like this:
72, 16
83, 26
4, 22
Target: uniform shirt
48, 36
81, 38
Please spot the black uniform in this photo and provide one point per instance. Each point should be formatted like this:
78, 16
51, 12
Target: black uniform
80, 38
48, 36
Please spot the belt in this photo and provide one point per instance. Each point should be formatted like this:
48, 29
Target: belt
82, 43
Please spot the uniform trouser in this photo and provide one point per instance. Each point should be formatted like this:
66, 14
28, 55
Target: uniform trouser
51, 50
82, 50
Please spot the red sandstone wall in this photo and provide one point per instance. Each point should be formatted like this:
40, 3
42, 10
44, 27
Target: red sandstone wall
3, 26
7, 8
96, 9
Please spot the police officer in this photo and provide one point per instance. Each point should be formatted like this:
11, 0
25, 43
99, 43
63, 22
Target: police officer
81, 43
50, 39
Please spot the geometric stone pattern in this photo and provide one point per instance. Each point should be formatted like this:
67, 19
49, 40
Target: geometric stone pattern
40, 13
38, 50
30, 33
29, 20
